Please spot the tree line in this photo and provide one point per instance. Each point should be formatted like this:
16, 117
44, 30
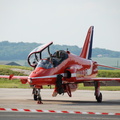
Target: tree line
20, 50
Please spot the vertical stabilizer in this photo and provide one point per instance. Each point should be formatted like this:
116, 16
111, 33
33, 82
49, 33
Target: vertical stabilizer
87, 47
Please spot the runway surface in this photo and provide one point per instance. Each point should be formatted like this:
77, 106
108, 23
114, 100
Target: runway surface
53, 116
81, 100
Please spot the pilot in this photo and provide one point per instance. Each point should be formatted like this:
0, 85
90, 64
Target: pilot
58, 54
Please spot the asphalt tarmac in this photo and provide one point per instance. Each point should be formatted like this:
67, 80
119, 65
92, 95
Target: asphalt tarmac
81, 100
53, 116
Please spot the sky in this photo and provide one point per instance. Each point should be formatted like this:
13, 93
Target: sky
64, 22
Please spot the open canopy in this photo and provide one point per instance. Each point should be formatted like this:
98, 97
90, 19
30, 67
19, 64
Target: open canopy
36, 54
41, 57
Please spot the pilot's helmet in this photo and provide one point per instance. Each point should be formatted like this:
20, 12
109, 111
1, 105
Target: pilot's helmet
58, 54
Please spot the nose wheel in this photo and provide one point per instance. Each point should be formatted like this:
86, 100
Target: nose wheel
37, 96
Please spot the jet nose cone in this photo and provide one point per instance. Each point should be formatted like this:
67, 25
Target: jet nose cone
30, 80
33, 77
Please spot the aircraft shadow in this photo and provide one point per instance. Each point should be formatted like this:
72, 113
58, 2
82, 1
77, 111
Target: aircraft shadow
82, 103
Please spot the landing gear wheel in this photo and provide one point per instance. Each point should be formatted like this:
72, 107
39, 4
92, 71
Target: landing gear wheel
99, 98
59, 86
35, 97
35, 94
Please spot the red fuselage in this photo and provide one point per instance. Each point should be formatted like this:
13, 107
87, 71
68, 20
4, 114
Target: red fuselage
73, 68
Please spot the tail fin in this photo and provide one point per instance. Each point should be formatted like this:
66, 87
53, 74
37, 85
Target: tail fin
87, 48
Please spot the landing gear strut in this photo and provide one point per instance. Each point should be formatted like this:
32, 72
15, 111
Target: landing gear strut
37, 96
98, 94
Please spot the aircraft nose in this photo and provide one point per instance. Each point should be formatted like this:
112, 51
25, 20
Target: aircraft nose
42, 77
30, 80
35, 75
37, 72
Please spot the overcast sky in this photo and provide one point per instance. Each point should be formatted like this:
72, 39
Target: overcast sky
64, 22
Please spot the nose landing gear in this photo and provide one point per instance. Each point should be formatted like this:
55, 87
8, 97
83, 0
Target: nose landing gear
37, 96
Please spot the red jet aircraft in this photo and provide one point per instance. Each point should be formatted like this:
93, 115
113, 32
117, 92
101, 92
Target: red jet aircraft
64, 70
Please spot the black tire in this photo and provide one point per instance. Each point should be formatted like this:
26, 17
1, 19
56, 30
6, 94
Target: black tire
35, 97
60, 89
99, 98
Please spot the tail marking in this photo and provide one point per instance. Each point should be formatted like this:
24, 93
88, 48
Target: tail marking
87, 47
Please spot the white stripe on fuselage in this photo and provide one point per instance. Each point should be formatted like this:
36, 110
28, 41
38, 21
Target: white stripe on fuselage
51, 76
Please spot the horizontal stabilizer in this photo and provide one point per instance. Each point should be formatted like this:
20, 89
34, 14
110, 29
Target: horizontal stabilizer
107, 66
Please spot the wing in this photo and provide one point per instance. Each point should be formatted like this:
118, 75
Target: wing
97, 79
103, 81
23, 79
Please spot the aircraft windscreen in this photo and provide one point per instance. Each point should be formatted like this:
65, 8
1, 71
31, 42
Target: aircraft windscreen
44, 63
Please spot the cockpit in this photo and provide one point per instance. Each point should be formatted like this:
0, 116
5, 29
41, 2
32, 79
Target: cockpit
58, 57
41, 57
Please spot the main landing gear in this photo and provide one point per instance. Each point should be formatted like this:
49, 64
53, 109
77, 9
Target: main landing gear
58, 87
98, 94
36, 95
61, 88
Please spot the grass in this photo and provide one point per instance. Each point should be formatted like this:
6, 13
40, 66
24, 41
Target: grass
19, 67
6, 70
109, 73
5, 83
